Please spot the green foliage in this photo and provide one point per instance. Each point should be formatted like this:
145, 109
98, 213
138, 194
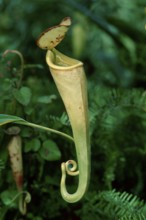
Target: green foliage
109, 38
113, 205
7, 197
23, 96
32, 145
50, 151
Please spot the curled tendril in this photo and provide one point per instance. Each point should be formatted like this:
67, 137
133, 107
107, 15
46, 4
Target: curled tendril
22, 64
70, 168
23, 202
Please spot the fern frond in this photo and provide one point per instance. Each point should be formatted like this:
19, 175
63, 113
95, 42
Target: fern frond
63, 119
92, 118
130, 217
113, 205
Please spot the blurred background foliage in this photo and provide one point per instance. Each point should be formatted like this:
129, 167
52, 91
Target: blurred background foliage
109, 38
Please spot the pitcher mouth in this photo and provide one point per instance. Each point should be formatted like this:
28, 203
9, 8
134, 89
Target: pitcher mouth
57, 60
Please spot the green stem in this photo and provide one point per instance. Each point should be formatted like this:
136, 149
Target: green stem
46, 129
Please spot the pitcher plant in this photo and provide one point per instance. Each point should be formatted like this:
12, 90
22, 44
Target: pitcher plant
69, 77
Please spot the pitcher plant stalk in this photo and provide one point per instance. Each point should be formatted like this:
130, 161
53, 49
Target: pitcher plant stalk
70, 79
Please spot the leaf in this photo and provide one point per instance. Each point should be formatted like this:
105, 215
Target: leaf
50, 151
6, 85
7, 197
5, 119
26, 132
46, 99
32, 145
23, 95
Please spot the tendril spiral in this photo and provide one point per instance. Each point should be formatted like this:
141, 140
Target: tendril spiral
71, 168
